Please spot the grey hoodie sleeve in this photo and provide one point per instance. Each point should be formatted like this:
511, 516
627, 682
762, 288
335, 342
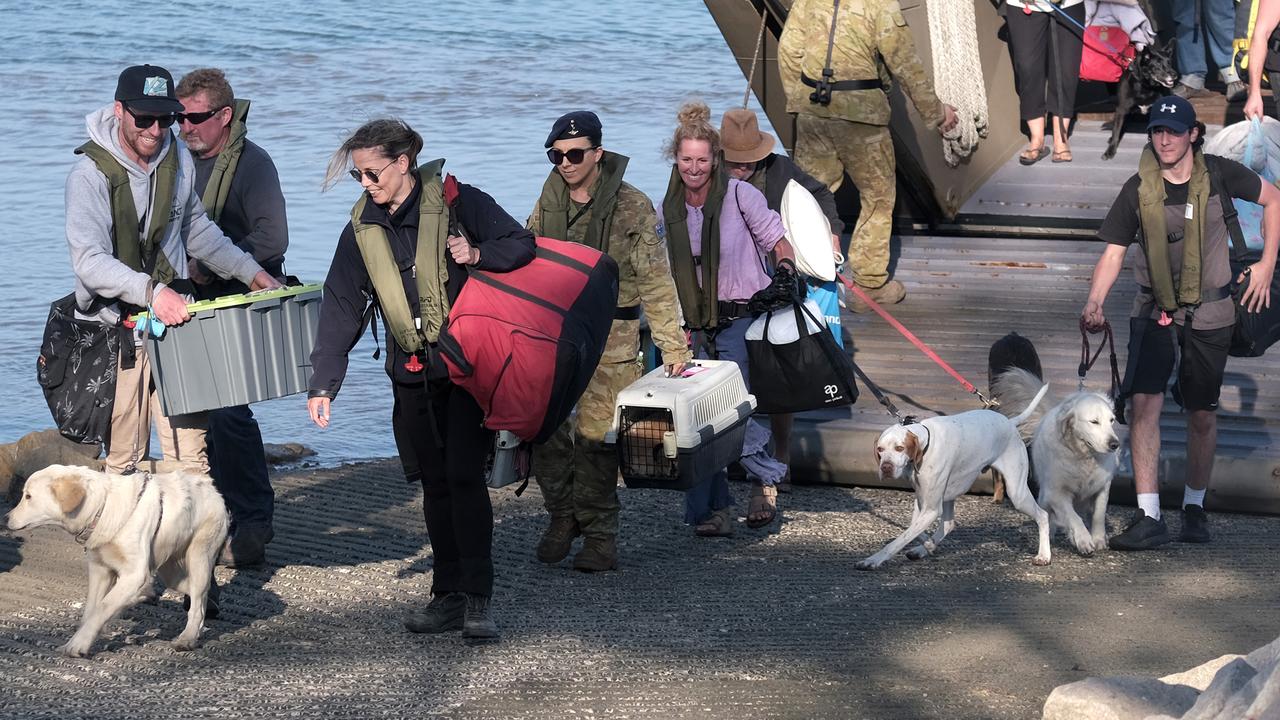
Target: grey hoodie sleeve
88, 208
206, 242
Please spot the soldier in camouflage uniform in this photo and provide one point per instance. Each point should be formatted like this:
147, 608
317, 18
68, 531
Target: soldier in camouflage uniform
842, 122
584, 200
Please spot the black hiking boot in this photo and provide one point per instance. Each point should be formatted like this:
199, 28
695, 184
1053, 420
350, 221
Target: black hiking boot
557, 541
247, 548
598, 554
478, 627
1195, 525
442, 614
1143, 533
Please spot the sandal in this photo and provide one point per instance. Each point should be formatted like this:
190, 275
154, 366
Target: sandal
720, 524
763, 509
1031, 155
1061, 156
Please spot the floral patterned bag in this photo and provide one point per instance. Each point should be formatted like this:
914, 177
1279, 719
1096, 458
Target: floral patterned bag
77, 371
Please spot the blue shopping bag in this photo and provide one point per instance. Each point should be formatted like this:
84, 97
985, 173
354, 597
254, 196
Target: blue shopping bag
1261, 155
825, 295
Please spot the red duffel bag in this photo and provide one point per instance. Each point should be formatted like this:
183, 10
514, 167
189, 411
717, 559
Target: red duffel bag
525, 343
1107, 52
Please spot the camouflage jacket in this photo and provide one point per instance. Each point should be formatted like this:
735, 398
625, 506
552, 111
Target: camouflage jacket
872, 40
644, 273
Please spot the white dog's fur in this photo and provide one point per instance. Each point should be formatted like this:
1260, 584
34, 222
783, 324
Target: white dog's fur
1075, 452
943, 456
133, 528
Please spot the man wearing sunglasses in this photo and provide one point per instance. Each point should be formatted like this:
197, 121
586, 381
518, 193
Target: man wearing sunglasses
585, 200
240, 191
133, 219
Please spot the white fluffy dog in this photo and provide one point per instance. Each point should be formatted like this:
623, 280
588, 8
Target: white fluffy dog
1074, 453
133, 527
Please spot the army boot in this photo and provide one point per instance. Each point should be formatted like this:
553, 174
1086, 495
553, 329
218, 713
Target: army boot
557, 541
887, 294
478, 627
598, 554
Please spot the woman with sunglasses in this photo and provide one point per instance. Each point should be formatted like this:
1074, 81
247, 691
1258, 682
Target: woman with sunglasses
397, 254
718, 231
585, 200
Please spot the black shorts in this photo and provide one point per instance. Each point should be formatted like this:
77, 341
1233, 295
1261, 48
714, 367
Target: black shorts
1199, 378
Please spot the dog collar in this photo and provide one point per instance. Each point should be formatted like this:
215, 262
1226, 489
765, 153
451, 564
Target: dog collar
83, 536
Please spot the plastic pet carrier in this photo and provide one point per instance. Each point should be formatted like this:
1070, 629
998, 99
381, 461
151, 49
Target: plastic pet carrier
670, 432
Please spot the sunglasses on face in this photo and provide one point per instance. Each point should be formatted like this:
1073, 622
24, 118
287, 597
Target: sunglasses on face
574, 156
197, 118
357, 173
142, 122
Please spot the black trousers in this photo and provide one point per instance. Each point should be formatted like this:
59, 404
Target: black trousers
1034, 62
238, 465
443, 444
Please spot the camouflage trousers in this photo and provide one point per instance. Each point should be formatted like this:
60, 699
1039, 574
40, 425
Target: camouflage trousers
576, 471
826, 148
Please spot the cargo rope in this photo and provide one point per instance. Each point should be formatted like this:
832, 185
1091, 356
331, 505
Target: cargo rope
957, 75
755, 58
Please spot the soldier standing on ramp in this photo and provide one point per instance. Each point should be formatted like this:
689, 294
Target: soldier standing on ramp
837, 60
585, 200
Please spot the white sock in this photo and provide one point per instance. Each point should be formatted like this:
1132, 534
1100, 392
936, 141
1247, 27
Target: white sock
1150, 504
1192, 497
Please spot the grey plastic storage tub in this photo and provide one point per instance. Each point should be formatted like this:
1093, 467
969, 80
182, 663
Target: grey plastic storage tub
237, 350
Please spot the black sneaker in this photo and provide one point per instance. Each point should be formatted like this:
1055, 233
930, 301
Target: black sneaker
443, 613
247, 548
479, 627
1195, 525
1143, 533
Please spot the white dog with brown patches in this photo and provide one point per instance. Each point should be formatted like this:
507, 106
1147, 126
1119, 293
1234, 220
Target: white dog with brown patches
133, 527
943, 456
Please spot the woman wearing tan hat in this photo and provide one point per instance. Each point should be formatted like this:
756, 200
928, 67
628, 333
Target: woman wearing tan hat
749, 157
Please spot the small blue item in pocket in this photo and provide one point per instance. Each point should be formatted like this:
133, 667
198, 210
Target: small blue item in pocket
153, 323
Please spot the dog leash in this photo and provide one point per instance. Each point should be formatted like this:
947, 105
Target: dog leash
920, 345
881, 397
1087, 362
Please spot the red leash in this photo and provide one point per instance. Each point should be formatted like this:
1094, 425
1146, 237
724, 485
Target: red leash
928, 351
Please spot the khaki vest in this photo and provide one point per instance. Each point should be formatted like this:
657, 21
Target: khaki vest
218, 189
430, 268
130, 246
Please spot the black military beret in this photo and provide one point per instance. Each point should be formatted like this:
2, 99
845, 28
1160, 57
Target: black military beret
576, 124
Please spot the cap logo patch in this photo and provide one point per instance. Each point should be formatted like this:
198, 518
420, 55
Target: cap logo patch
156, 87
1168, 108
573, 127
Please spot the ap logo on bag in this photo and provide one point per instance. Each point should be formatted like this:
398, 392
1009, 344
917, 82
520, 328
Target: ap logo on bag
156, 87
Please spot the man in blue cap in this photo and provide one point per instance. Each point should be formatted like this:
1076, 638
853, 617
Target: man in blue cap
1174, 208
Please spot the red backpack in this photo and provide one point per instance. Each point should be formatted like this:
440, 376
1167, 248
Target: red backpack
525, 343
1107, 53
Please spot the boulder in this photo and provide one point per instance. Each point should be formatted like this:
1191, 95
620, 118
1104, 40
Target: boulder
39, 450
285, 453
1224, 693
1200, 676
1118, 698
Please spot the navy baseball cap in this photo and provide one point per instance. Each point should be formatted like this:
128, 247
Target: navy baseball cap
576, 124
1173, 112
149, 89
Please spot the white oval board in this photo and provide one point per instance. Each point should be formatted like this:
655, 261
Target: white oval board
808, 231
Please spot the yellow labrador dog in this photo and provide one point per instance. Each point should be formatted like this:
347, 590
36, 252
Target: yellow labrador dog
133, 527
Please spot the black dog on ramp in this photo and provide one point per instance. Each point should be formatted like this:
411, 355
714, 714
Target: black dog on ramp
1148, 78
1010, 351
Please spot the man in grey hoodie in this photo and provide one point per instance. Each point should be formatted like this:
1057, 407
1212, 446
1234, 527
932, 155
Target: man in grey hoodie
133, 219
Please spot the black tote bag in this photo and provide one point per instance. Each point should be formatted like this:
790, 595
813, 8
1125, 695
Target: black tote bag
810, 373
77, 371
